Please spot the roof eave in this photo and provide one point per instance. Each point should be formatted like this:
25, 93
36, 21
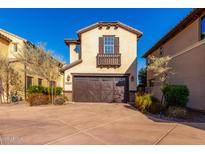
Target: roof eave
68, 66
70, 41
174, 31
14, 35
97, 24
5, 38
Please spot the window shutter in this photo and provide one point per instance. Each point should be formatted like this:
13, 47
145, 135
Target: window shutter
116, 45
101, 45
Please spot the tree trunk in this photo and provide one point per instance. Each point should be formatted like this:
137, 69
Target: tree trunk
1, 91
49, 96
25, 85
52, 93
0, 99
164, 82
7, 87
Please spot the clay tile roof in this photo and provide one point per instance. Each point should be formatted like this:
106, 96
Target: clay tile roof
73, 41
191, 17
112, 23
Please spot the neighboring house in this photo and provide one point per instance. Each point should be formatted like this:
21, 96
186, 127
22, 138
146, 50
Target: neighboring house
102, 63
4, 45
186, 44
10, 46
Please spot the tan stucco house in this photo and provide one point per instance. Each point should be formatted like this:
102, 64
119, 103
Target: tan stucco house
102, 63
186, 44
10, 46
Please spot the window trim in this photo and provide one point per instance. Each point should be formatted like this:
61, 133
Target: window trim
39, 79
14, 44
27, 81
151, 82
200, 25
161, 51
113, 45
52, 85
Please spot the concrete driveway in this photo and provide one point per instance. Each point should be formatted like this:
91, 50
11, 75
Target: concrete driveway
86, 123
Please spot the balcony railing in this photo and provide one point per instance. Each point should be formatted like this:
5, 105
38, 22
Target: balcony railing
108, 60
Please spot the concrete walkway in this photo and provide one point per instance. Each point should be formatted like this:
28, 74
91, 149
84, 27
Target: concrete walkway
86, 123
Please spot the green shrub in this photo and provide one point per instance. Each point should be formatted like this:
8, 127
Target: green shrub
156, 106
45, 90
143, 102
175, 95
38, 99
35, 89
59, 101
56, 90
177, 112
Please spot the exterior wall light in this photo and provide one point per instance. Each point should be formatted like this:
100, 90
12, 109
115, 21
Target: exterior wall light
68, 77
132, 78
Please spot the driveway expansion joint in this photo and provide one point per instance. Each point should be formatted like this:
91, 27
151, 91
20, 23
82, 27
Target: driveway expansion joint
94, 124
160, 139
85, 131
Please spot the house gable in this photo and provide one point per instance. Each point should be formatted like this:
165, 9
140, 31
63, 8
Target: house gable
91, 46
99, 25
92, 42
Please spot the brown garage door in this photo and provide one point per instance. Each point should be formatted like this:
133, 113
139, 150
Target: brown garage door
100, 89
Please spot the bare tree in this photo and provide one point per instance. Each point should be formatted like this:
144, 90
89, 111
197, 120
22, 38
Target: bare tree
9, 80
160, 68
39, 61
2, 78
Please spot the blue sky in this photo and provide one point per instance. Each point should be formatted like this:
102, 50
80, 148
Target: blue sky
52, 26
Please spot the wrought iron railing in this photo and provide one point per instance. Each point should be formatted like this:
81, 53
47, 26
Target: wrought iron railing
108, 60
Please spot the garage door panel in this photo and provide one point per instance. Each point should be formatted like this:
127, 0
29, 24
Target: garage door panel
119, 94
80, 85
100, 89
107, 96
107, 90
94, 90
107, 84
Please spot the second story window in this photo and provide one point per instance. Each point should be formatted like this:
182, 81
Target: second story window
15, 47
108, 45
203, 27
147, 61
151, 83
52, 83
40, 82
161, 51
28, 81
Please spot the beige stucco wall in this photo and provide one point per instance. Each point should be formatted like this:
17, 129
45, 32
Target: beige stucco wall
188, 64
73, 53
15, 40
90, 49
4, 47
